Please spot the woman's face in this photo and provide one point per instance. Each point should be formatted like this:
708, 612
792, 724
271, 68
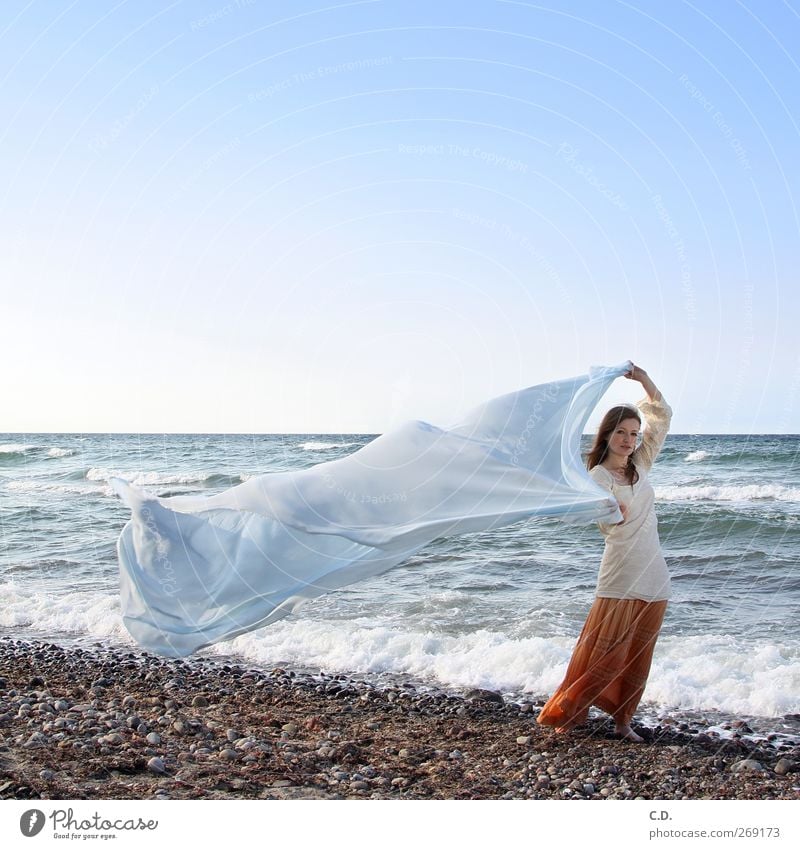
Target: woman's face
622, 440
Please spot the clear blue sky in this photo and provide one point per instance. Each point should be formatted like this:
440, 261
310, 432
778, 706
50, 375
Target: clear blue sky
299, 216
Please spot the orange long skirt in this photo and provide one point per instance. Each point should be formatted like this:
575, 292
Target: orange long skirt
610, 663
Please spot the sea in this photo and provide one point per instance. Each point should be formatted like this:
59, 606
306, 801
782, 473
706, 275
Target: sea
499, 610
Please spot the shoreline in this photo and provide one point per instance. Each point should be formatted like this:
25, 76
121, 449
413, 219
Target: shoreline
109, 723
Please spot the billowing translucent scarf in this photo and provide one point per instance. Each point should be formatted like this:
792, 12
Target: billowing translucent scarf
197, 569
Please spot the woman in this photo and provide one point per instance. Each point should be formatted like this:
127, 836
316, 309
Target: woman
611, 660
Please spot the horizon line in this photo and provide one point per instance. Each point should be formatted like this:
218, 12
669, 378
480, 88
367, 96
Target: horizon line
296, 433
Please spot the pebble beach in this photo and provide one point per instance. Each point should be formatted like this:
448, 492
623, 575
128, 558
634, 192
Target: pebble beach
105, 723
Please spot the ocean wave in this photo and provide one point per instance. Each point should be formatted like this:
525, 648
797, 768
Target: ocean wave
715, 672
53, 565
724, 455
744, 492
324, 446
60, 452
95, 613
140, 478
28, 485
691, 672
11, 451
17, 453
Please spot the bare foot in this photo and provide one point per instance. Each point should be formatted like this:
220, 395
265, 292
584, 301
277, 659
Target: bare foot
625, 732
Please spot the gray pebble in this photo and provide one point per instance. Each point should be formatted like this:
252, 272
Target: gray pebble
484, 696
157, 766
153, 739
113, 739
748, 765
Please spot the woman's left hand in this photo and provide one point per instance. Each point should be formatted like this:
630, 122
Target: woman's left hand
636, 373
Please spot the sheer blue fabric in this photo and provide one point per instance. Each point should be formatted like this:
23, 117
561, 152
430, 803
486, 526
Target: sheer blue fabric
195, 570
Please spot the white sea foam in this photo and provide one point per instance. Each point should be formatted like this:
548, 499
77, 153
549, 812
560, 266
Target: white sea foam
29, 485
696, 456
715, 672
747, 492
60, 452
140, 478
701, 672
94, 613
718, 671
25, 448
16, 448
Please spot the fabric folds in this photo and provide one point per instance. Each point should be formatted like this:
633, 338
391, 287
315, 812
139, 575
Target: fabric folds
195, 570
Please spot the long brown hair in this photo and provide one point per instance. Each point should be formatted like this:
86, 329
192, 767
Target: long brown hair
611, 421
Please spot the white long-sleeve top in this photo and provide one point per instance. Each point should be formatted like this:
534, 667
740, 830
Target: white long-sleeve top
633, 565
